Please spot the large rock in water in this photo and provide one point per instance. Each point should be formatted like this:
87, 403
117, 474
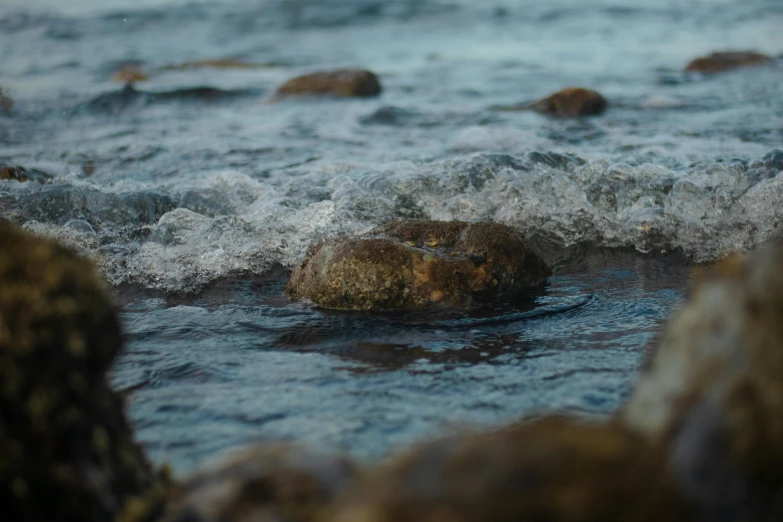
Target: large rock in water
713, 392
341, 83
274, 483
412, 265
66, 449
553, 470
724, 61
571, 102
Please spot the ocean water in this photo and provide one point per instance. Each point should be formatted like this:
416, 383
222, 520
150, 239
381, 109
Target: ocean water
196, 191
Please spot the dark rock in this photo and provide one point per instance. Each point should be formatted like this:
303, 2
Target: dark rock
724, 61
22, 174
279, 483
6, 104
550, 470
66, 449
341, 83
713, 392
774, 160
572, 102
408, 265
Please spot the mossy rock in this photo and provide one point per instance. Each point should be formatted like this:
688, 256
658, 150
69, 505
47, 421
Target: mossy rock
572, 102
725, 61
553, 469
277, 482
66, 449
414, 265
713, 391
340, 83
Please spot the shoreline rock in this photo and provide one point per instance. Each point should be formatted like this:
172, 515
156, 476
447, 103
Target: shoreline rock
414, 265
727, 60
572, 102
341, 83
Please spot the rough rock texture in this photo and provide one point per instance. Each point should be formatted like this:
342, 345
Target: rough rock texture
408, 265
550, 470
342, 83
275, 483
572, 102
724, 61
713, 392
66, 449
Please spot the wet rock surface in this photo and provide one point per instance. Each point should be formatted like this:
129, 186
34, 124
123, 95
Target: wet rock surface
713, 391
267, 482
725, 61
572, 102
22, 174
6, 103
66, 449
339, 83
410, 265
552, 469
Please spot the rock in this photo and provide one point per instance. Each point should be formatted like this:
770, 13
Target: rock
66, 449
275, 483
220, 63
713, 392
553, 469
409, 265
571, 102
6, 104
22, 174
341, 83
724, 61
129, 74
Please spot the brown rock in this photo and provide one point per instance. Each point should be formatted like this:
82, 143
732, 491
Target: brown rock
341, 83
409, 265
66, 449
129, 74
22, 174
220, 63
571, 102
274, 483
724, 61
713, 392
554, 470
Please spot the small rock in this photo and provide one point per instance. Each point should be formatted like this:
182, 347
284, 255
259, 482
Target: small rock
572, 102
274, 483
724, 61
220, 63
341, 83
6, 104
129, 74
553, 469
409, 265
713, 392
63, 432
22, 174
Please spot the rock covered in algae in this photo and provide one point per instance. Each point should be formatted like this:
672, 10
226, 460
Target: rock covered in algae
724, 61
553, 469
341, 83
274, 483
713, 391
66, 449
410, 265
572, 102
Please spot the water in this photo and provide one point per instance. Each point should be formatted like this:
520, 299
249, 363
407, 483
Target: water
195, 192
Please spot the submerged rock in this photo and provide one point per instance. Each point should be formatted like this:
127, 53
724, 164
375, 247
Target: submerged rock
713, 392
22, 174
129, 74
6, 104
408, 265
553, 469
66, 449
572, 102
724, 61
341, 83
275, 483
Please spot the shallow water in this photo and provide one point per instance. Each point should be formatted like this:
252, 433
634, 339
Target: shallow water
194, 192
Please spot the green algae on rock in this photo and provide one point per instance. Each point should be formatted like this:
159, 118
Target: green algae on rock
572, 102
727, 60
266, 482
66, 449
339, 83
413, 265
713, 391
553, 469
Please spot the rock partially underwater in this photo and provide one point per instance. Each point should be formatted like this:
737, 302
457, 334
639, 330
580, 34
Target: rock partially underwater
66, 449
22, 174
413, 265
6, 103
713, 393
553, 469
339, 83
274, 483
572, 102
725, 61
